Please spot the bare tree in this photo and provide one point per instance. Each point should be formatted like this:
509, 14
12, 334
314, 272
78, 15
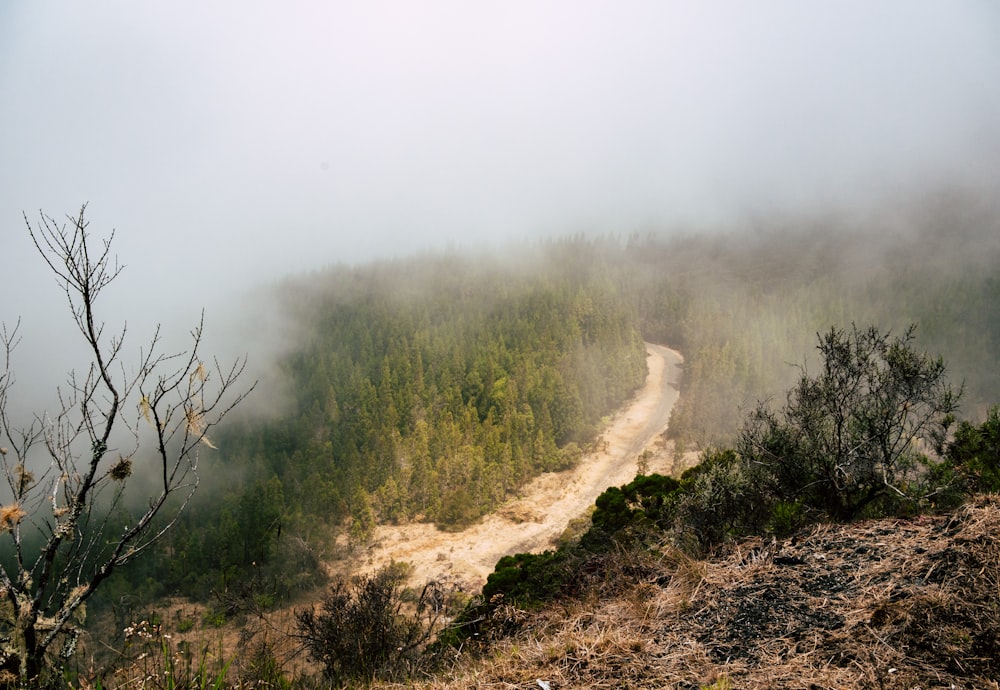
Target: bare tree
68, 473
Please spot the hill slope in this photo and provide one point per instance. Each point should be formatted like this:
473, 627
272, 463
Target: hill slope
545, 507
881, 604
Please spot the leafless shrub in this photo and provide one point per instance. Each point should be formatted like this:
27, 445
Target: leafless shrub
68, 472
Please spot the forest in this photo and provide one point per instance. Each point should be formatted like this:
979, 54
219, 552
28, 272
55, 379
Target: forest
430, 388
422, 389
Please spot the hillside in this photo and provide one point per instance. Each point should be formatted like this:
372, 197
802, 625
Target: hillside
422, 406
424, 391
545, 507
433, 389
890, 603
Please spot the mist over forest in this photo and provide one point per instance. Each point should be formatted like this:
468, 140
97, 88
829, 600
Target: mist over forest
432, 387
443, 236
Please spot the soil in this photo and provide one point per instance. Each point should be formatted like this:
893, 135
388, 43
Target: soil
534, 521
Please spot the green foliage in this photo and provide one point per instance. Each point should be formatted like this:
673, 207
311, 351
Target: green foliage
458, 510
529, 579
522, 581
214, 617
438, 387
852, 441
613, 512
651, 496
974, 454
426, 389
848, 440
362, 516
647, 501
720, 498
741, 305
440, 384
786, 517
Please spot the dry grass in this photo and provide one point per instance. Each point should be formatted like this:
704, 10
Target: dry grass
181, 650
887, 604
882, 604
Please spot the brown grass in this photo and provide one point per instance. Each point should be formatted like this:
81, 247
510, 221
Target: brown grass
887, 604
881, 604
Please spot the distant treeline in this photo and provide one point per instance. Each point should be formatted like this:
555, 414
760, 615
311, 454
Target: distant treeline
745, 308
431, 388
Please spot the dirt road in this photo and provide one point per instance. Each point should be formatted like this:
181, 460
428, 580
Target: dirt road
533, 521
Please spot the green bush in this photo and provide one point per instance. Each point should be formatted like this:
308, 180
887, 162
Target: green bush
522, 581
786, 517
974, 454
613, 512
631, 511
849, 442
458, 510
720, 498
529, 579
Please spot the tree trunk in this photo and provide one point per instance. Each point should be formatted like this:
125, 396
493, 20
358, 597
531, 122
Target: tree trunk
25, 643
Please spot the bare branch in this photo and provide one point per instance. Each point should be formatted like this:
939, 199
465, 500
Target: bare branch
69, 471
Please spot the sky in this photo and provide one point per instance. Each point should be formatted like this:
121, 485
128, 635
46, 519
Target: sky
232, 143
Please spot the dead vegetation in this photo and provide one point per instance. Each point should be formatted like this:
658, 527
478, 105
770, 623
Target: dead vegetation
891, 603
887, 604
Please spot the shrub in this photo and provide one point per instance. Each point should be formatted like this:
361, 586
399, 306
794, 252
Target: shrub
631, 510
458, 510
786, 517
852, 440
719, 498
863, 438
361, 631
530, 579
974, 454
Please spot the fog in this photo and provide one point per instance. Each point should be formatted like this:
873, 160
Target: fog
230, 144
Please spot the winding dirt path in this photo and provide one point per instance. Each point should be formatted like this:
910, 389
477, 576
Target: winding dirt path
535, 520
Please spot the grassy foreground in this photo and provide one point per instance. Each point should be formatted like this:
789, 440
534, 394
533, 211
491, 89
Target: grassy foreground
888, 603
